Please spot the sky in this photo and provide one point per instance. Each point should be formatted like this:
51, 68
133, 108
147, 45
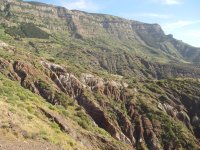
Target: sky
178, 17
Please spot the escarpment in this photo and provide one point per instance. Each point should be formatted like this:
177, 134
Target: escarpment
150, 39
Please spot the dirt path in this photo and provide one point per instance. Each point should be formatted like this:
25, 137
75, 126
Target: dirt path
26, 145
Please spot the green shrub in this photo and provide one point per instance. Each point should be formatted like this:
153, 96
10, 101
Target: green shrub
28, 30
30, 109
15, 32
42, 84
83, 124
31, 31
22, 96
83, 120
55, 126
61, 97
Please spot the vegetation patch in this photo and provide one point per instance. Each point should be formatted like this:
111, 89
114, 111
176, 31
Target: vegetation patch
27, 30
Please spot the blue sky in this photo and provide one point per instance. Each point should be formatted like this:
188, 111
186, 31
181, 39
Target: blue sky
178, 17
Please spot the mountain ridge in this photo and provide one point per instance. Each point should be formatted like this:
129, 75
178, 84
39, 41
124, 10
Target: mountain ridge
113, 34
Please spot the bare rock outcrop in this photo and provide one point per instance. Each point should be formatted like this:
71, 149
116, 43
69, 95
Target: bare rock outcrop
108, 87
66, 81
150, 137
101, 119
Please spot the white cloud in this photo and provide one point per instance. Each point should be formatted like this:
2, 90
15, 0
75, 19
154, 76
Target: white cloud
86, 5
172, 2
154, 15
190, 36
193, 33
179, 24
186, 30
168, 2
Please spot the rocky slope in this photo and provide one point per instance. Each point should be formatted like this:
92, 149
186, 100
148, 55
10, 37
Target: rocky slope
89, 81
124, 112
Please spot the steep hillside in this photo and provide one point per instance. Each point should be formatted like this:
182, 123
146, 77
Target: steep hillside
75, 80
113, 44
96, 111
